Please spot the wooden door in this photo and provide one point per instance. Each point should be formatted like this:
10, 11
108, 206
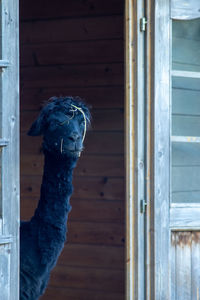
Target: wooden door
163, 240
173, 197
185, 151
9, 151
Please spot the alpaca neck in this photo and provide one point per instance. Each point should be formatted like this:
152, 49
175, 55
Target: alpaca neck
56, 189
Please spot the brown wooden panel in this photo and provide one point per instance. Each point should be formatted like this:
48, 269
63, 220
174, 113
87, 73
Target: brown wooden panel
88, 278
58, 293
102, 120
63, 30
84, 187
83, 210
95, 143
50, 9
96, 233
103, 51
88, 165
92, 256
98, 97
72, 76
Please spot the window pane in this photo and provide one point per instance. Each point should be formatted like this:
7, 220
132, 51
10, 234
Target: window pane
185, 182
186, 45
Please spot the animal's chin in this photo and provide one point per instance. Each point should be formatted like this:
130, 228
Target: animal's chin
72, 153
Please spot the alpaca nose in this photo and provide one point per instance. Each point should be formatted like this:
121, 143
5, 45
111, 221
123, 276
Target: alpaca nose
74, 136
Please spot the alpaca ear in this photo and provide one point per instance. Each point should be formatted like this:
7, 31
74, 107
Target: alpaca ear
37, 127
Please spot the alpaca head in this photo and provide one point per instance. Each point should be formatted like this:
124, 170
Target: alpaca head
63, 123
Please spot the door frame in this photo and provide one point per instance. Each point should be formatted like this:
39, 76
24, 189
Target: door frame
147, 233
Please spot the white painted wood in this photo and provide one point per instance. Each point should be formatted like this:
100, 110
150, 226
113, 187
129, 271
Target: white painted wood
185, 9
10, 154
183, 265
185, 139
5, 264
4, 63
158, 147
185, 217
6, 240
186, 74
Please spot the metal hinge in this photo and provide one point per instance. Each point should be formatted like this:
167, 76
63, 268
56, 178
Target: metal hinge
143, 205
143, 23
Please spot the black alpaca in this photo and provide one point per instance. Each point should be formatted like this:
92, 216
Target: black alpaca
63, 123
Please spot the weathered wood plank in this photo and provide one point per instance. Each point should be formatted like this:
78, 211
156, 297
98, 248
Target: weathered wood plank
78, 255
56, 293
195, 270
109, 27
97, 279
173, 266
95, 143
72, 76
103, 51
184, 217
84, 187
49, 9
98, 97
88, 165
82, 210
102, 120
183, 265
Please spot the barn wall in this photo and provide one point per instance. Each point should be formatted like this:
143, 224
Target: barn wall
76, 48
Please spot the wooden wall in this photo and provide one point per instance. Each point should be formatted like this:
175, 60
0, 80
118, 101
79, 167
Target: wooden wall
76, 48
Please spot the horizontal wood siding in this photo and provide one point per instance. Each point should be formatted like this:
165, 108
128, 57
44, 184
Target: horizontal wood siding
76, 48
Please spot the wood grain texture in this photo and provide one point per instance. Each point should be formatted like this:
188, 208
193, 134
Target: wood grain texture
102, 120
95, 143
84, 187
97, 97
80, 294
73, 53
92, 256
76, 48
109, 27
96, 279
88, 165
69, 9
83, 210
72, 76
185, 265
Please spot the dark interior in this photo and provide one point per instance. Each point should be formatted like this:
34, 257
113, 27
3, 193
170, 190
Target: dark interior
75, 48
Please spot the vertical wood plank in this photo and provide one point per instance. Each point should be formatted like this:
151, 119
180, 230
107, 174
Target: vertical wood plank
158, 149
195, 270
173, 265
135, 274
183, 265
10, 131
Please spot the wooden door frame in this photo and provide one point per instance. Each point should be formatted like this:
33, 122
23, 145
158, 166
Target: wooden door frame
152, 228
9, 143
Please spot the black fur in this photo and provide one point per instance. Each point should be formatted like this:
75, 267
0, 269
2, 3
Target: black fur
43, 237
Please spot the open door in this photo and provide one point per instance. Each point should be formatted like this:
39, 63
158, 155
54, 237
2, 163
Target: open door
9, 151
163, 240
